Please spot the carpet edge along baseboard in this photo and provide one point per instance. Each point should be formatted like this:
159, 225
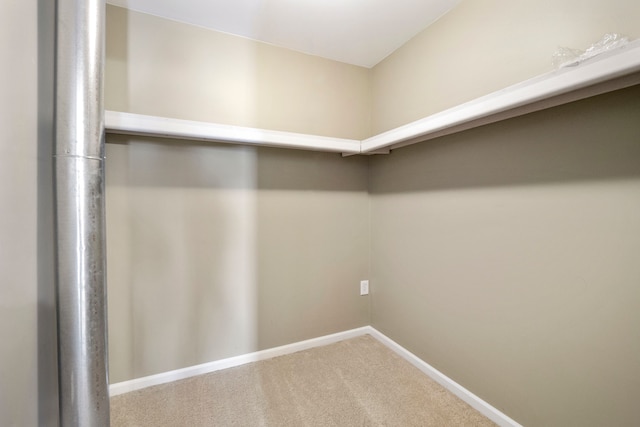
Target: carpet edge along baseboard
461, 392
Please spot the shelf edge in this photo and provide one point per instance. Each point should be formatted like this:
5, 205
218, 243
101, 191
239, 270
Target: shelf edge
117, 122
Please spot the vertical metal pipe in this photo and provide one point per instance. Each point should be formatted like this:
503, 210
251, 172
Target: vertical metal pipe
79, 212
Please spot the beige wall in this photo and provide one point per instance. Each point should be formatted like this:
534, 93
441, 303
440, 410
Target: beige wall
485, 45
169, 69
18, 221
216, 251
507, 257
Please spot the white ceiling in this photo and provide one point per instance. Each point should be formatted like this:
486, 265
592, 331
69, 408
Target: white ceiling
359, 32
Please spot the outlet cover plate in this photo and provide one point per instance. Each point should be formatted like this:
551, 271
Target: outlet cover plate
364, 287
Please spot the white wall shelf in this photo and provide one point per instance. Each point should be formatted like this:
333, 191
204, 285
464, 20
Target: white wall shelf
138, 124
604, 73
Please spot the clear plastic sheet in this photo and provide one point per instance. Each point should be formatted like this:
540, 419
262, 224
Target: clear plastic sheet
568, 57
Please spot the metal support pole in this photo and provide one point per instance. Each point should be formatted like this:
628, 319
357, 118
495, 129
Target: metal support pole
79, 214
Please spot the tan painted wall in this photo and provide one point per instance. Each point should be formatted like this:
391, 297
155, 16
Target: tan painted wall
222, 250
216, 251
18, 220
169, 69
486, 45
507, 257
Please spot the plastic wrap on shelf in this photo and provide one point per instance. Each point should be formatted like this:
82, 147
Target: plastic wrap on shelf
568, 57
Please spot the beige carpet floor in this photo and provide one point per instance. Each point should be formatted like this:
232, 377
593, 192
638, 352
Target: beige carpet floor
357, 382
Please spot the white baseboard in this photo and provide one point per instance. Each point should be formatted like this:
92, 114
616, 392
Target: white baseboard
205, 368
471, 399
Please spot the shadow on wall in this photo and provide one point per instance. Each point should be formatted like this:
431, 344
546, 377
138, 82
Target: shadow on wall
116, 78
180, 255
47, 332
218, 250
165, 162
578, 145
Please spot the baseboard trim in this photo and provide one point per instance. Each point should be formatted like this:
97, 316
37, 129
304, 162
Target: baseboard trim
205, 368
471, 399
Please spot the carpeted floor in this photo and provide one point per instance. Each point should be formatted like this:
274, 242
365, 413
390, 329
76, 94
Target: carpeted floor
358, 382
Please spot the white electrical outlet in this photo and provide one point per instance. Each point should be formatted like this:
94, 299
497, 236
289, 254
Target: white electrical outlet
364, 287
